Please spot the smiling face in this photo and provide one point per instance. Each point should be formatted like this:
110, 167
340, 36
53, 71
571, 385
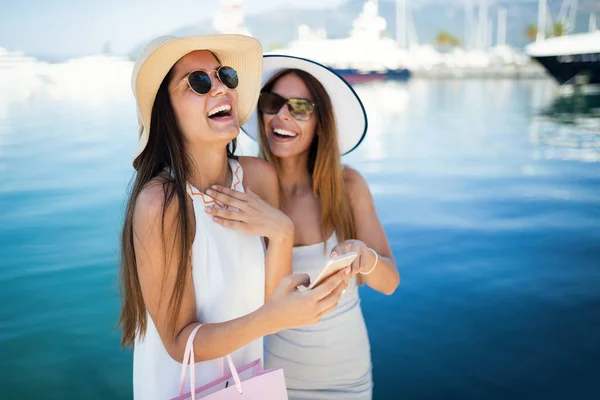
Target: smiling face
310, 144
203, 119
286, 136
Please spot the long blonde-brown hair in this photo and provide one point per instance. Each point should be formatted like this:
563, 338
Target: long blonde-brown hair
324, 164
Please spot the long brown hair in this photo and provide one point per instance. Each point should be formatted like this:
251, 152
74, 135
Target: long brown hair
324, 165
165, 151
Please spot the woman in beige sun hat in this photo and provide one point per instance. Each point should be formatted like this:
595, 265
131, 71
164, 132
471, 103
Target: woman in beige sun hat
182, 264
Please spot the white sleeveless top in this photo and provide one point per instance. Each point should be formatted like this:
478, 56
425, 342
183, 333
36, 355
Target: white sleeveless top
228, 271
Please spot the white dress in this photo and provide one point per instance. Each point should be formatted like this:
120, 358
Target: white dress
228, 270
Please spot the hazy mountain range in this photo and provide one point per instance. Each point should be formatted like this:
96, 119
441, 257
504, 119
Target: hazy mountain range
278, 27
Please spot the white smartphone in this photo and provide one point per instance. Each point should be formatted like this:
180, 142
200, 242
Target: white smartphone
333, 266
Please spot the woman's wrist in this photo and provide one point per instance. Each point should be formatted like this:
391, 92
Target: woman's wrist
285, 232
266, 320
375, 262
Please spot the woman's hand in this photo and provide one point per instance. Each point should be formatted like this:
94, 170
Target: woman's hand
365, 260
290, 308
249, 213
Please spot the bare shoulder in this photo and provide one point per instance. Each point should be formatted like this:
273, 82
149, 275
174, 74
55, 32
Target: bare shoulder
356, 184
260, 176
152, 195
258, 167
150, 203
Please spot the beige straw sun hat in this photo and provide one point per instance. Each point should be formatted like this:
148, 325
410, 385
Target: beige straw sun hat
242, 53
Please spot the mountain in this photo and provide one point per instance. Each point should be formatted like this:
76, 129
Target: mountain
278, 27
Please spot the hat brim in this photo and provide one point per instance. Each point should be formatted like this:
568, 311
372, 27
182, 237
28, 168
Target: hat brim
349, 112
243, 53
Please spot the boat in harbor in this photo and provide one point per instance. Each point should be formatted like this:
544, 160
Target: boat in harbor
573, 60
366, 55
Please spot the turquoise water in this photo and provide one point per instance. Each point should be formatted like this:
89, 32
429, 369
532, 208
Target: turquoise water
489, 192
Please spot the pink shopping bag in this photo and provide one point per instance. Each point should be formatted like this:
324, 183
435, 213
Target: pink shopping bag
249, 382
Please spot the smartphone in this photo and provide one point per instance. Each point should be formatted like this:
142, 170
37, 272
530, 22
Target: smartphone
333, 266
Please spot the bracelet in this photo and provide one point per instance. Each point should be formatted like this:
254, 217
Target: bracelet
374, 264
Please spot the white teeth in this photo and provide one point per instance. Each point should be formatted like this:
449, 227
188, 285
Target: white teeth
225, 107
284, 132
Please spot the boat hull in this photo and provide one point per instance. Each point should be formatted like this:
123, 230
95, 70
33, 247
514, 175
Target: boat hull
567, 69
355, 76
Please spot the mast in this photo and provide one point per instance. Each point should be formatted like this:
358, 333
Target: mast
541, 26
401, 23
501, 27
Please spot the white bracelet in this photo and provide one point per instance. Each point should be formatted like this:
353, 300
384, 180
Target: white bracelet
374, 264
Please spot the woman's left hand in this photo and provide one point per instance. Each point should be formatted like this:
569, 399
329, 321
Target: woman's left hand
362, 263
249, 213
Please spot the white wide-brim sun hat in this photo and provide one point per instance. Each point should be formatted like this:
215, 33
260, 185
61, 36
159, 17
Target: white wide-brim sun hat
242, 53
349, 112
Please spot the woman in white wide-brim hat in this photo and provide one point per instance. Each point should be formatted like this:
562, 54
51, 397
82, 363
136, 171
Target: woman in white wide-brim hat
307, 117
182, 264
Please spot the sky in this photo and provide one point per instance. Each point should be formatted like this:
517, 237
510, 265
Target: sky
59, 29
65, 28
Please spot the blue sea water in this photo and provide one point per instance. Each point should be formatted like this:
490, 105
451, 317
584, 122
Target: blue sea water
489, 191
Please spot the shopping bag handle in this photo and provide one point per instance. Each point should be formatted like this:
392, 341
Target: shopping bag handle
188, 357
